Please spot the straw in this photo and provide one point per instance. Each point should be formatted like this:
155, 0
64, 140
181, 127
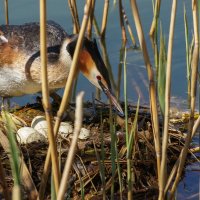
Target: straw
163, 172
66, 95
90, 22
72, 150
155, 18
195, 61
74, 14
152, 88
124, 38
6, 11
45, 94
129, 27
104, 19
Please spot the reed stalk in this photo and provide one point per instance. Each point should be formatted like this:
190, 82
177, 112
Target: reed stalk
155, 18
105, 54
189, 51
152, 88
101, 161
130, 148
125, 98
3, 182
163, 172
121, 56
119, 173
74, 14
66, 95
129, 27
6, 11
129, 182
123, 30
105, 18
45, 94
113, 153
161, 74
194, 68
90, 22
72, 149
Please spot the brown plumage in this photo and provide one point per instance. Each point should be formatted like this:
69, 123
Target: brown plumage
20, 71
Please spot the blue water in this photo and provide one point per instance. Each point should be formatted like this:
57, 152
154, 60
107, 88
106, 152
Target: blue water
23, 11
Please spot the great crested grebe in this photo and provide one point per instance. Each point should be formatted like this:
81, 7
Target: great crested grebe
20, 71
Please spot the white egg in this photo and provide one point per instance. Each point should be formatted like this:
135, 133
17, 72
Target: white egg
65, 128
39, 123
26, 135
84, 134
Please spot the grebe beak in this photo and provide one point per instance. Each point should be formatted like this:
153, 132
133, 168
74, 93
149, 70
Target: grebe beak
112, 98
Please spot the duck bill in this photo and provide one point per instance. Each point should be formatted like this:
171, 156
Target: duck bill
112, 99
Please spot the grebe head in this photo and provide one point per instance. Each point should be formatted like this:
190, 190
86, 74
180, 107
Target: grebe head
92, 66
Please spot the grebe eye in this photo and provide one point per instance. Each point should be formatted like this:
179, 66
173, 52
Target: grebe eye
98, 77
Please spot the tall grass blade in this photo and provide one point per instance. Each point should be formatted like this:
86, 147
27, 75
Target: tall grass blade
162, 73
155, 17
188, 55
113, 153
130, 148
133, 132
125, 98
14, 151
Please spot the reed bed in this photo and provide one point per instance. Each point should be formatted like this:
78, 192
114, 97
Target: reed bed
122, 158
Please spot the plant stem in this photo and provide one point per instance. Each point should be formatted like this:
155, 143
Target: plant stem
195, 61
163, 172
152, 88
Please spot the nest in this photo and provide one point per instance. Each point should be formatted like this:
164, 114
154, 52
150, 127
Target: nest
93, 167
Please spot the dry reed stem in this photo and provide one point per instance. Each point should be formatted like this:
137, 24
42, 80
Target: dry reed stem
45, 94
74, 14
105, 18
105, 55
25, 175
89, 27
196, 126
163, 172
6, 11
16, 193
66, 95
195, 150
155, 18
3, 182
124, 38
152, 88
73, 146
194, 68
128, 27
